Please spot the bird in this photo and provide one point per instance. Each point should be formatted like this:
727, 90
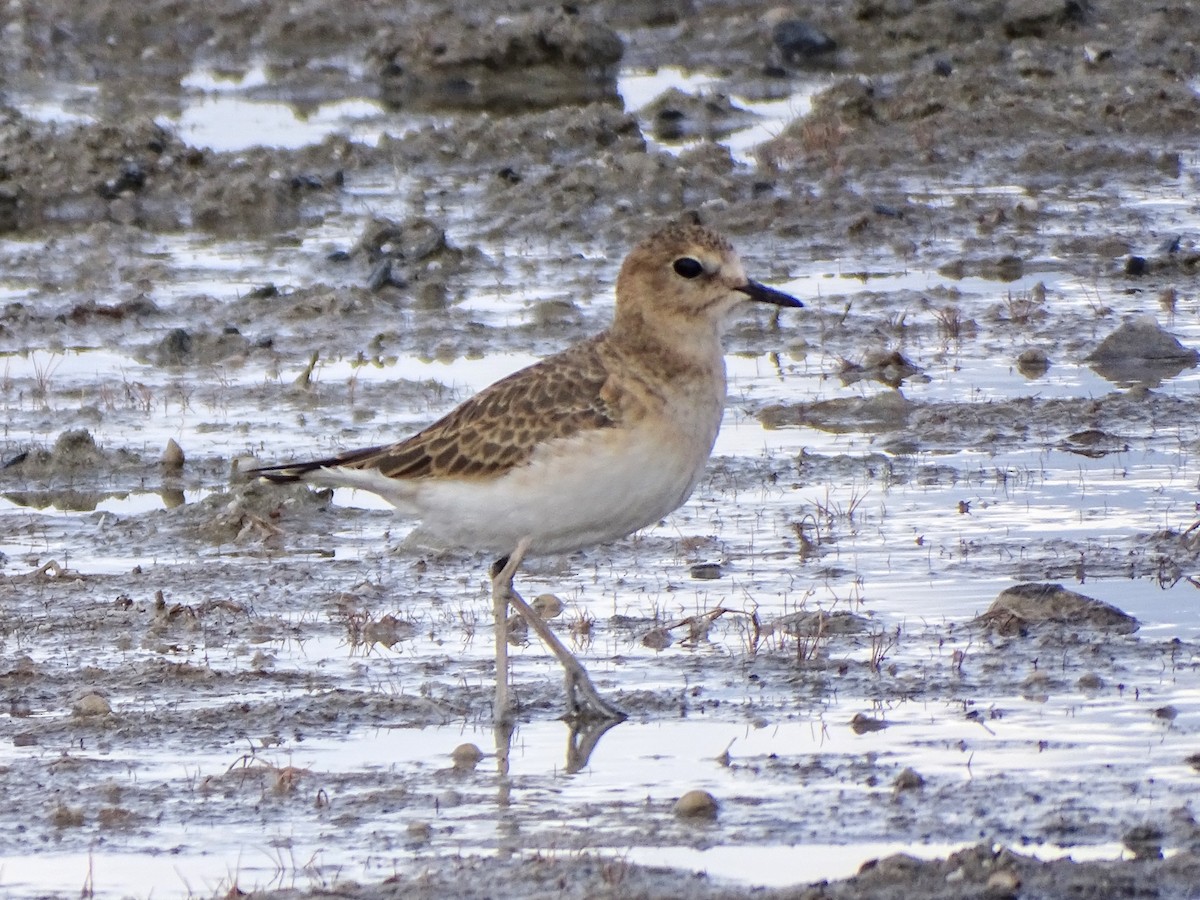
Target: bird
582, 448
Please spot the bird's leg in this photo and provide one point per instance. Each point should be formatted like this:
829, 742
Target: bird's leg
583, 701
502, 575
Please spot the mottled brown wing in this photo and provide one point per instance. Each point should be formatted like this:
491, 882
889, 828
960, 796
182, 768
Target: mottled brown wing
495, 430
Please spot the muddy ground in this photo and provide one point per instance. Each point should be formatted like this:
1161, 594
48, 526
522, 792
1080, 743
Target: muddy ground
990, 210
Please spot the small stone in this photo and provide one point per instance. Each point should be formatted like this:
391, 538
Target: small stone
517, 630
91, 704
1023, 607
548, 606
908, 780
1090, 681
801, 43
1033, 363
1144, 841
863, 724
466, 757
174, 349
696, 805
172, 457
657, 639
66, 816
1002, 884
1142, 338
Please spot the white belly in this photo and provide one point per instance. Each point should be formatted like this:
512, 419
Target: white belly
586, 490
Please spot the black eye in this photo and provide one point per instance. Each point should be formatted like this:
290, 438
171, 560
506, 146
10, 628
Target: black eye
686, 267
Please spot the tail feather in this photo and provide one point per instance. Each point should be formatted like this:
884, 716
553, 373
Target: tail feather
349, 470
288, 473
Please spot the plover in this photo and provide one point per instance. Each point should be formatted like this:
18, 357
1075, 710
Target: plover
584, 447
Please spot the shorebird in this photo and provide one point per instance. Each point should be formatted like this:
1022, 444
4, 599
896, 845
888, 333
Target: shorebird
584, 447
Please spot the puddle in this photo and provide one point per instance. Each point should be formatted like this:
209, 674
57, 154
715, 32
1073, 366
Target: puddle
229, 124
784, 866
638, 89
1058, 744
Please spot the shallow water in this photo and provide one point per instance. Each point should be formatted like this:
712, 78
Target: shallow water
918, 538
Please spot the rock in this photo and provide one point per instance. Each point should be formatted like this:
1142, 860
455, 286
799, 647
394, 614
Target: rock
696, 805
538, 60
1033, 363
908, 780
887, 367
548, 606
657, 639
1002, 884
706, 571
1140, 352
173, 349
674, 115
1142, 338
1024, 606
419, 832
1037, 18
89, 705
1089, 681
466, 757
412, 240
801, 44
818, 623
883, 412
1144, 841
181, 347
864, 724
172, 457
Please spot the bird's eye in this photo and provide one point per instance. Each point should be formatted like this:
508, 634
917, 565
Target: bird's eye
686, 267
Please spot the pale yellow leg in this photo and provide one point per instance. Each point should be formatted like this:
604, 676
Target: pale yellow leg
583, 701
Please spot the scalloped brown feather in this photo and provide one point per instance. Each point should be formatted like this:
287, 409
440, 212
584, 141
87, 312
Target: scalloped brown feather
497, 429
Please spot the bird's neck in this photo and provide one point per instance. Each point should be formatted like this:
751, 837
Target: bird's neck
681, 349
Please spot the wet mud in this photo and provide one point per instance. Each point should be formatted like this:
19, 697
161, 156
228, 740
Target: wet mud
928, 625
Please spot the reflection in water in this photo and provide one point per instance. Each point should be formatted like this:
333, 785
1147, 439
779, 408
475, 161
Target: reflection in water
1135, 372
582, 737
71, 500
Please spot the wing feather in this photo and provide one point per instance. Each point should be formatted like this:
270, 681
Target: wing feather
497, 429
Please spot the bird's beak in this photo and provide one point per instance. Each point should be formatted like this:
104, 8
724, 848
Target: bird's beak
764, 294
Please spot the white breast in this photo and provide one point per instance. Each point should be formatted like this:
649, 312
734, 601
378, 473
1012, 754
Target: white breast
594, 487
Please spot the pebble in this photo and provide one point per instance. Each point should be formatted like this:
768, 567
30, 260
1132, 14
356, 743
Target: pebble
696, 805
466, 757
706, 571
800, 42
908, 780
172, 457
1033, 363
548, 606
91, 705
1003, 883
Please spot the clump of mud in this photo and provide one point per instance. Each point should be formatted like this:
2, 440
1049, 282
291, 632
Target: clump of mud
1141, 352
74, 453
1024, 607
530, 61
676, 116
